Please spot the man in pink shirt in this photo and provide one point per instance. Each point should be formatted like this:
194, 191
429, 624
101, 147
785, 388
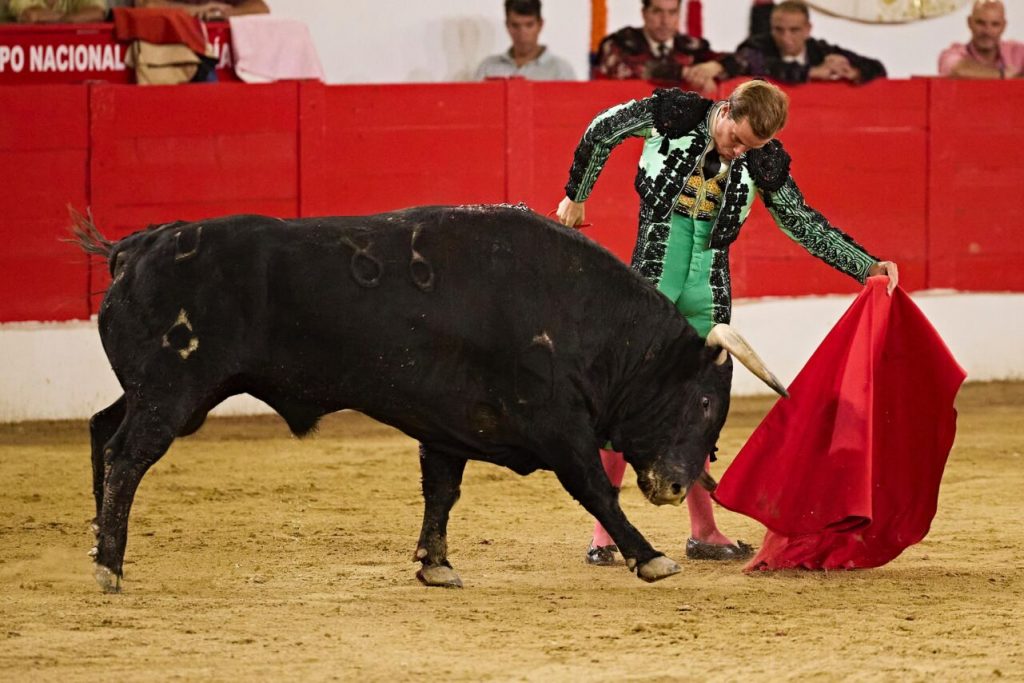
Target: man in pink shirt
986, 56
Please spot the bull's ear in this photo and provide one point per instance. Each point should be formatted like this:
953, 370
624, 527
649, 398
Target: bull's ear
722, 357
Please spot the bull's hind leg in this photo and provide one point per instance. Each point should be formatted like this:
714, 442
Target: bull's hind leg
442, 479
143, 437
102, 427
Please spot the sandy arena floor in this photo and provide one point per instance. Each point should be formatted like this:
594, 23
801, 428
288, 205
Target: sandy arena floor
253, 555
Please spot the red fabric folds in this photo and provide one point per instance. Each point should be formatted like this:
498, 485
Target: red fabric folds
845, 473
159, 25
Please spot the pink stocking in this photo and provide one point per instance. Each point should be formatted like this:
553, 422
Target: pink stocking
702, 515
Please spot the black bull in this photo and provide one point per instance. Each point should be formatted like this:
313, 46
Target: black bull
485, 333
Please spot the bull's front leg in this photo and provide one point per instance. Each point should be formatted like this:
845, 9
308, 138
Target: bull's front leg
442, 479
585, 480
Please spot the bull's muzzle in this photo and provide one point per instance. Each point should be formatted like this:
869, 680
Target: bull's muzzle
662, 490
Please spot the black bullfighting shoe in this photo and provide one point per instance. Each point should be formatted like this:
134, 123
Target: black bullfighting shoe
603, 555
700, 550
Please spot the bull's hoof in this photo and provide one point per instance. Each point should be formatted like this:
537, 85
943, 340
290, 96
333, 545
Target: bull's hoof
94, 526
439, 575
659, 568
109, 581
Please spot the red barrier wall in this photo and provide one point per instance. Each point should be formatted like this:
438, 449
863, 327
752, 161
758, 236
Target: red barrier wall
915, 170
371, 148
44, 163
164, 154
976, 185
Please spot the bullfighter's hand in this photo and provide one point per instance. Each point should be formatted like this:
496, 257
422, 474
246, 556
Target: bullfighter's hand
570, 213
886, 268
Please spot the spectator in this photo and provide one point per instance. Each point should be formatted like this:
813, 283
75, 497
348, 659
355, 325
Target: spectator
210, 11
657, 51
986, 56
789, 54
57, 11
527, 57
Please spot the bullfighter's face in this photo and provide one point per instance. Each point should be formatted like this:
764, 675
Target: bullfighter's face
733, 138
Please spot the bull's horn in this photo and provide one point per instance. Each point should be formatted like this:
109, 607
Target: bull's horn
725, 337
707, 482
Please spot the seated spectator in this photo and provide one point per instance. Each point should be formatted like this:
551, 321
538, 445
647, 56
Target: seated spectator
789, 54
657, 51
527, 57
57, 11
210, 11
986, 56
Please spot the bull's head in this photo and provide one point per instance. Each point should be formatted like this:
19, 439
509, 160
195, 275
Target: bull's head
700, 409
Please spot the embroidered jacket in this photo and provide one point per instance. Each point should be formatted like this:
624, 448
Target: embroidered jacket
675, 125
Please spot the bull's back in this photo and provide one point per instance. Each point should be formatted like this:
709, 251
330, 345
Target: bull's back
381, 313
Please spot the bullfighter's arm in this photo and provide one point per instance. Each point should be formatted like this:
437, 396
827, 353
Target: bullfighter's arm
769, 168
813, 231
608, 129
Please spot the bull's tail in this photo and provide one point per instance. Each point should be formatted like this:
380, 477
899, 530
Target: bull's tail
86, 235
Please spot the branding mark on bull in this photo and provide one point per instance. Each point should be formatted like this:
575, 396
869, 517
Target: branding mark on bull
544, 339
362, 255
188, 247
420, 270
180, 338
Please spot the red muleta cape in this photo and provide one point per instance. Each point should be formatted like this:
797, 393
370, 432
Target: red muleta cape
845, 473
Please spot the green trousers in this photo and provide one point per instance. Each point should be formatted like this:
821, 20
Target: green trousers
686, 278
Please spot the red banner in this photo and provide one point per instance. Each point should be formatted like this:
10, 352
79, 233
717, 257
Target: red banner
76, 53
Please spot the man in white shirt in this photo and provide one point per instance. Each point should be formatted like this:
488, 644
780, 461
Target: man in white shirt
527, 57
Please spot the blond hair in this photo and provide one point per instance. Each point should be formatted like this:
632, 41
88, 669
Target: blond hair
762, 104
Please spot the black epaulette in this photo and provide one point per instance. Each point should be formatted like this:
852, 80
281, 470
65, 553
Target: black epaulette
676, 113
769, 166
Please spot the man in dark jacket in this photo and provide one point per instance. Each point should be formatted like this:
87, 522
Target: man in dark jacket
657, 51
790, 55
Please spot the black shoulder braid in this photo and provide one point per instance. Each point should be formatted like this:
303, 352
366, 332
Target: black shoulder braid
676, 113
769, 166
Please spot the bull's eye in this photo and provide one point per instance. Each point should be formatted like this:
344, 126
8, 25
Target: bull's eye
705, 402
